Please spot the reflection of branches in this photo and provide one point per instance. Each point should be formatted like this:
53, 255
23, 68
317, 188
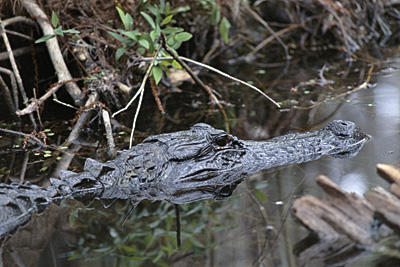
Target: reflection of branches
348, 92
272, 32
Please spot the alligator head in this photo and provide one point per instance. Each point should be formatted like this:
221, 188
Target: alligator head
207, 163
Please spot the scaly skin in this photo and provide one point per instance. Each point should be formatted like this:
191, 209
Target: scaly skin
181, 167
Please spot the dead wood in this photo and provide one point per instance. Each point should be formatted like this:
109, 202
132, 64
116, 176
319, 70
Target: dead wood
338, 214
387, 207
344, 221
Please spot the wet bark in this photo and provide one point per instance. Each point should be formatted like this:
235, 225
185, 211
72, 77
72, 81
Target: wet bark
345, 222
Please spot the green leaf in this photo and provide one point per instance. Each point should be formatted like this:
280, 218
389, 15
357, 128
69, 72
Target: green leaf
176, 45
122, 16
149, 19
215, 14
172, 30
54, 19
176, 64
141, 51
183, 36
224, 27
71, 31
59, 31
153, 10
131, 35
154, 34
153, 45
119, 53
167, 9
129, 21
196, 242
162, 6
166, 20
144, 43
180, 9
117, 36
44, 38
157, 74
170, 39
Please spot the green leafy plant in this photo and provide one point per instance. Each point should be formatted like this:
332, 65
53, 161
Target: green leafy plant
57, 31
160, 20
215, 17
148, 234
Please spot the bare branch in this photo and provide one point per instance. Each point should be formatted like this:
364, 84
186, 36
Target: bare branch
53, 49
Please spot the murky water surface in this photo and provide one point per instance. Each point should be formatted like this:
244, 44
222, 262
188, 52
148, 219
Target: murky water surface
254, 227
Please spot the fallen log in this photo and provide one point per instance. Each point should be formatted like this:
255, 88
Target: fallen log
344, 225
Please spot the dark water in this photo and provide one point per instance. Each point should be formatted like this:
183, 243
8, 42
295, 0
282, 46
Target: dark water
254, 227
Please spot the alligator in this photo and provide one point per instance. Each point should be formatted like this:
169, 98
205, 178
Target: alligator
181, 167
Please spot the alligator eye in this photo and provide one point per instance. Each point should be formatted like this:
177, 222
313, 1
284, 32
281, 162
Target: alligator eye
225, 191
222, 141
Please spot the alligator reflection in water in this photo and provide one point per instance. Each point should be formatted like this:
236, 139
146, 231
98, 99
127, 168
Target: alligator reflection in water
181, 167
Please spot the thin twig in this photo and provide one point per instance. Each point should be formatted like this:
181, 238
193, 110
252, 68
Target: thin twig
141, 92
269, 39
28, 137
194, 77
187, 68
18, 19
20, 35
13, 85
178, 225
7, 97
37, 109
156, 97
220, 73
271, 31
37, 102
21, 51
15, 69
13, 63
129, 103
